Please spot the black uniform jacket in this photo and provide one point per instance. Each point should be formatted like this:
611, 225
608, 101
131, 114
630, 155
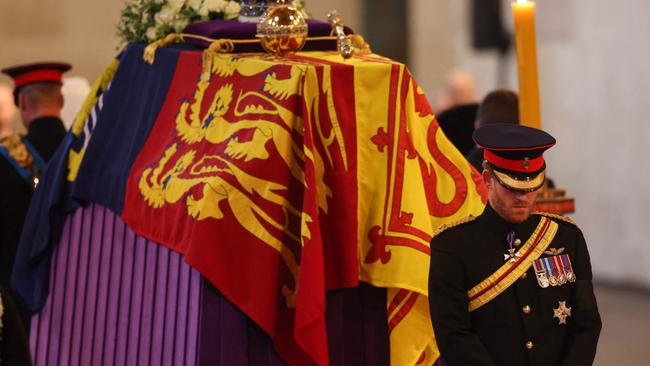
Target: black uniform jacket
518, 326
45, 134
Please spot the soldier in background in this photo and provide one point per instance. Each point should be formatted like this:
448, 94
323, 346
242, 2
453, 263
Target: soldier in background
37, 93
498, 106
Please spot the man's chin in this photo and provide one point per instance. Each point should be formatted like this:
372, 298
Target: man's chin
519, 214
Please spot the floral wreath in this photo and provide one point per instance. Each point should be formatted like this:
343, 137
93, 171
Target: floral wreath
150, 20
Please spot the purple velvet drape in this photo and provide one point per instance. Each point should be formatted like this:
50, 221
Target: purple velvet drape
118, 299
232, 29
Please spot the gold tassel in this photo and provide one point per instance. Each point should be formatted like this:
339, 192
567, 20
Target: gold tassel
216, 47
360, 44
150, 51
221, 46
207, 65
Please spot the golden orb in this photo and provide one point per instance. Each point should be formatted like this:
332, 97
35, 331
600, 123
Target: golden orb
282, 29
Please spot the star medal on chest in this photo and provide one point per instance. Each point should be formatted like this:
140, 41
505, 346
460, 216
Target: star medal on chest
562, 312
511, 256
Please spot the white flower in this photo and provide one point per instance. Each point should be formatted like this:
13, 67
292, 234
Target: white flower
203, 12
232, 10
180, 24
194, 4
176, 5
165, 15
212, 6
140, 22
151, 33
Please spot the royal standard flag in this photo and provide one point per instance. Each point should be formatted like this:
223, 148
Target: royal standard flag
276, 166
277, 179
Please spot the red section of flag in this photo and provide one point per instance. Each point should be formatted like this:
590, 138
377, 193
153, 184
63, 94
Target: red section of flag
195, 188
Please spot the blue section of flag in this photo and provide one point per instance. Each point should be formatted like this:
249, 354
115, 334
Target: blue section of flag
91, 120
119, 125
137, 93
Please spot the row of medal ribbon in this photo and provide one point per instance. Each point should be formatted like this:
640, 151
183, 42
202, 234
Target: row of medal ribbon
554, 271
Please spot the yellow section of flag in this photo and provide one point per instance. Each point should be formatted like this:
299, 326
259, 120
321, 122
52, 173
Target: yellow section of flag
411, 180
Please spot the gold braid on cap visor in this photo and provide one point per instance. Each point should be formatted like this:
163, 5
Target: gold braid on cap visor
528, 185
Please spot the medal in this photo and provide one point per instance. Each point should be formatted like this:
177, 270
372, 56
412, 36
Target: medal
511, 256
562, 312
540, 273
571, 277
548, 266
559, 269
566, 263
555, 270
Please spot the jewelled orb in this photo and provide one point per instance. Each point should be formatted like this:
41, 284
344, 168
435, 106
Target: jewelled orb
282, 29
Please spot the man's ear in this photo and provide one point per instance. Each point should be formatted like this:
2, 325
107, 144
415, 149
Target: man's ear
487, 178
22, 102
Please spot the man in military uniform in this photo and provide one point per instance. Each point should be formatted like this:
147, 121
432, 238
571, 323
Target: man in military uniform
37, 93
512, 287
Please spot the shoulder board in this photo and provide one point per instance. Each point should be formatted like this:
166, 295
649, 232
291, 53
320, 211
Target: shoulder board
555, 216
449, 225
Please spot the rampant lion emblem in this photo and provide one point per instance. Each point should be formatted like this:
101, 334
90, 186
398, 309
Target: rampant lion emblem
223, 130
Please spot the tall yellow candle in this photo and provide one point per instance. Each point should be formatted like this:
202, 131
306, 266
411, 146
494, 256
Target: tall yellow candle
524, 15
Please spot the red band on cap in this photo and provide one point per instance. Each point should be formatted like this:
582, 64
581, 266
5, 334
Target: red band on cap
37, 76
523, 166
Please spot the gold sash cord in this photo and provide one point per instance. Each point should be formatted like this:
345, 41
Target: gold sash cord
507, 274
225, 45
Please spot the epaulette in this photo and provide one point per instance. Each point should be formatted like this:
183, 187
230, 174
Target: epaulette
555, 216
449, 225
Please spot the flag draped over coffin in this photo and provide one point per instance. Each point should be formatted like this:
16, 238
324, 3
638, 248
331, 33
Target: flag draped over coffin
277, 179
411, 180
